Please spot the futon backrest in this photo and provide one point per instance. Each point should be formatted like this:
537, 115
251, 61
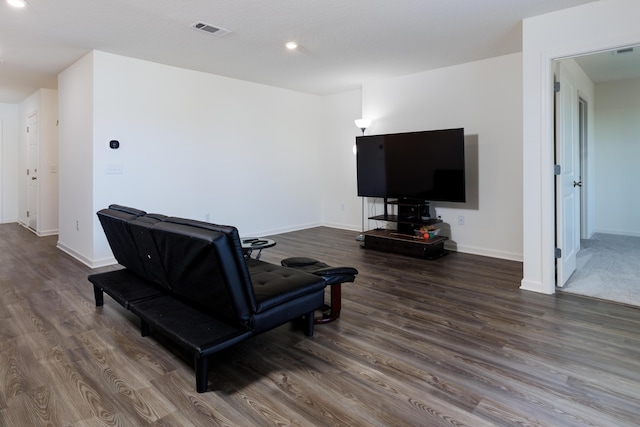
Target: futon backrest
115, 223
127, 209
147, 249
205, 266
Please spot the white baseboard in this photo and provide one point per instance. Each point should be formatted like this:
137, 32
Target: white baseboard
451, 246
618, 232
280, 230
349, 227
537, 287
47, 233
86, 261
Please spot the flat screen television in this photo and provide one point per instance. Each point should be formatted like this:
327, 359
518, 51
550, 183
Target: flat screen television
426, 165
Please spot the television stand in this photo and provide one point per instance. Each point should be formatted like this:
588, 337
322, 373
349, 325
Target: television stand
410, 212
411, 215
405, 244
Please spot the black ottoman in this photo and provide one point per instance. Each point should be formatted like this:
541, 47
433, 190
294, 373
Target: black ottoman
333, 276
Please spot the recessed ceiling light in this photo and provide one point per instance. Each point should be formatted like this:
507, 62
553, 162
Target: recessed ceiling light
17, 3
291, 45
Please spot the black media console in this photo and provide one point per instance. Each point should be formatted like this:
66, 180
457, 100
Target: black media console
411, 214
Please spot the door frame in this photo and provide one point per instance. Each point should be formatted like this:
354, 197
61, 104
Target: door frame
583, 135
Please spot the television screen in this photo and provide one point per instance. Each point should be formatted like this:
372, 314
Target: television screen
427, 165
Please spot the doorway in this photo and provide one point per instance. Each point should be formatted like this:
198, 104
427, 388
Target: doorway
605, 267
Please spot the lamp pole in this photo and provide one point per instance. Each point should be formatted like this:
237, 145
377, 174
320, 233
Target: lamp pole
362, 124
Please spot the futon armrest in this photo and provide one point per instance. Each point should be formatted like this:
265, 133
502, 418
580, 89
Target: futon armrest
328, 271
331, 275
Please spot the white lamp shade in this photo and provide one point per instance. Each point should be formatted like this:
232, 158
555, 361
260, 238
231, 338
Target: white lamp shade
363, 123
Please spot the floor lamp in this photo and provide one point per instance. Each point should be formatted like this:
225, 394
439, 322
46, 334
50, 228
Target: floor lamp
363, 124
360, 237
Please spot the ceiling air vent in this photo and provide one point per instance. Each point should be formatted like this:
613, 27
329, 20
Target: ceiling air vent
625, 50
208, 28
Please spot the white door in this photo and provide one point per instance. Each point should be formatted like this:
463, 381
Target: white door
568, 181
32, 172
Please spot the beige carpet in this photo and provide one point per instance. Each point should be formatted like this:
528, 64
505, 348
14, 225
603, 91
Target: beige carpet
608, 267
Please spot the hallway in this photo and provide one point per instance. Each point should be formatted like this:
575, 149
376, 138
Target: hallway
608, 267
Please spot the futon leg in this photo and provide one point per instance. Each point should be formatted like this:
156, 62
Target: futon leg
202, 373
336, 305
144, 328
308, 327
99, 295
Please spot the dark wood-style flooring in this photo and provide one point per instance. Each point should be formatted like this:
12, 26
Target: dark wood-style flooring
419, 343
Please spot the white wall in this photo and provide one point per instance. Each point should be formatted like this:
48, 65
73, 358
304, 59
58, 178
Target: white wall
595, 26
48, 176
286, 136
9, 154
191, 144
617, 153
75, 171
485, 98
341, 207
1, 173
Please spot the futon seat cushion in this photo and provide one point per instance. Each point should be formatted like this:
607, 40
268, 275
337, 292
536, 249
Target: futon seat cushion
125, 286
201, 333
274, 285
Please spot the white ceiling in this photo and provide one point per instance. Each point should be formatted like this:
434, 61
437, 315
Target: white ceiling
618, 64
343, 43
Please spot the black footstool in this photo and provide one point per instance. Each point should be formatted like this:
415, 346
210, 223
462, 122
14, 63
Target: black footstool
333, 276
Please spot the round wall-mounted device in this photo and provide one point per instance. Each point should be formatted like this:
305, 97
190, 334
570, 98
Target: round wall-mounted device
115, 144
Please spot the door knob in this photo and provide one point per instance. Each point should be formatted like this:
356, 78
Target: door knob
33, 178
577, 183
